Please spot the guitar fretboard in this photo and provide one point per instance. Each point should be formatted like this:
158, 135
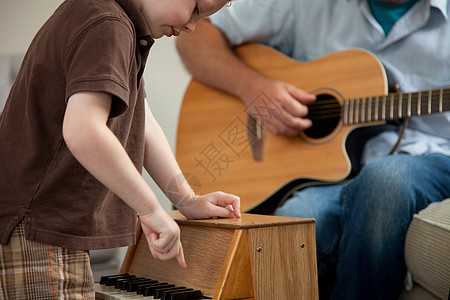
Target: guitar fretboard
395, 106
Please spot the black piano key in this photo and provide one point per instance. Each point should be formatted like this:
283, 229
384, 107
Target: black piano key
160, 291
150, 287
104, 278
150, 290
120, 283
141, 288
135, 285
165, 295
112, 280
189, 295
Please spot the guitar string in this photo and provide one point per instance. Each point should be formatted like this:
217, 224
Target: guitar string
336, 112
320, 111
333, 101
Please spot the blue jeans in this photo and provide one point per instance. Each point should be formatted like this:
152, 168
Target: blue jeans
361, 225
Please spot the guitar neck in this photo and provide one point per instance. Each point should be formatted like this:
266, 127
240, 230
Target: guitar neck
395, 106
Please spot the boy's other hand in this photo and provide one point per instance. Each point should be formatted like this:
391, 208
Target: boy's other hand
163, 236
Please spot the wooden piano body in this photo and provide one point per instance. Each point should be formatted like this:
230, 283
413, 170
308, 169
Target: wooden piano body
255, 257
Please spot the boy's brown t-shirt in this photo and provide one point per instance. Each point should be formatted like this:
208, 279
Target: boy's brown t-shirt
85, 45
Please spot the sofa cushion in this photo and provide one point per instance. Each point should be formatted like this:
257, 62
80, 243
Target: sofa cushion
427, 248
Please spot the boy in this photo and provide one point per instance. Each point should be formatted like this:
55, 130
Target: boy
75, 133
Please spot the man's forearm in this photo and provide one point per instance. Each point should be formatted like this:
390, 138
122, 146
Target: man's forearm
209, 58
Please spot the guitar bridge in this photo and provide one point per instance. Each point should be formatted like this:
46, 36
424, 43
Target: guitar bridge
256, 136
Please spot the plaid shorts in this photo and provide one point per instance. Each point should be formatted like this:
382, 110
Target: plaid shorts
31, 270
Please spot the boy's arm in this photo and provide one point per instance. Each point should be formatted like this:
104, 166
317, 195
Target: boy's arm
208, 57
160, 163
100, 152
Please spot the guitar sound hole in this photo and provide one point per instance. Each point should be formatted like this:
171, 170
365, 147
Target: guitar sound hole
325, 114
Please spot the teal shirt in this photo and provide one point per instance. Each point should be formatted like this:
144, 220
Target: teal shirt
388, 13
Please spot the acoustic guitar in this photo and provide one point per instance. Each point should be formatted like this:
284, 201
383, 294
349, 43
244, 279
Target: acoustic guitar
219, 147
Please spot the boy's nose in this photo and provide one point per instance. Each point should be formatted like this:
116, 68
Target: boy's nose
189, 27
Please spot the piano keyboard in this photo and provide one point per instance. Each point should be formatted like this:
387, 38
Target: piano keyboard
126, 286
256, 257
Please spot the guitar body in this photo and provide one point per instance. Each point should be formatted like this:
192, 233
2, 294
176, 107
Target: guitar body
216, 143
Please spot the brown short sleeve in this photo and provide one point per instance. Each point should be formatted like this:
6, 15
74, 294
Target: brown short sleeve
99, 60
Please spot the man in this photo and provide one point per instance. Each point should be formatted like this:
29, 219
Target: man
361, 224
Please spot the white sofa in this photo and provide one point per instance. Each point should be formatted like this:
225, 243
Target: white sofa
427, 254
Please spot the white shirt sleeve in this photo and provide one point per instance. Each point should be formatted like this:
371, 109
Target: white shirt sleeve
266, 21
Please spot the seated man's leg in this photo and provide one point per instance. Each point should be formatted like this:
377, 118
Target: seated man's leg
377, 208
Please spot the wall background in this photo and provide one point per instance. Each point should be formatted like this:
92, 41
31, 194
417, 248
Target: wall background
165, 77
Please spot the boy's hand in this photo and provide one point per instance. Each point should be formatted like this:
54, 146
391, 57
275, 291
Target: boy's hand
163, 236
217, 204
